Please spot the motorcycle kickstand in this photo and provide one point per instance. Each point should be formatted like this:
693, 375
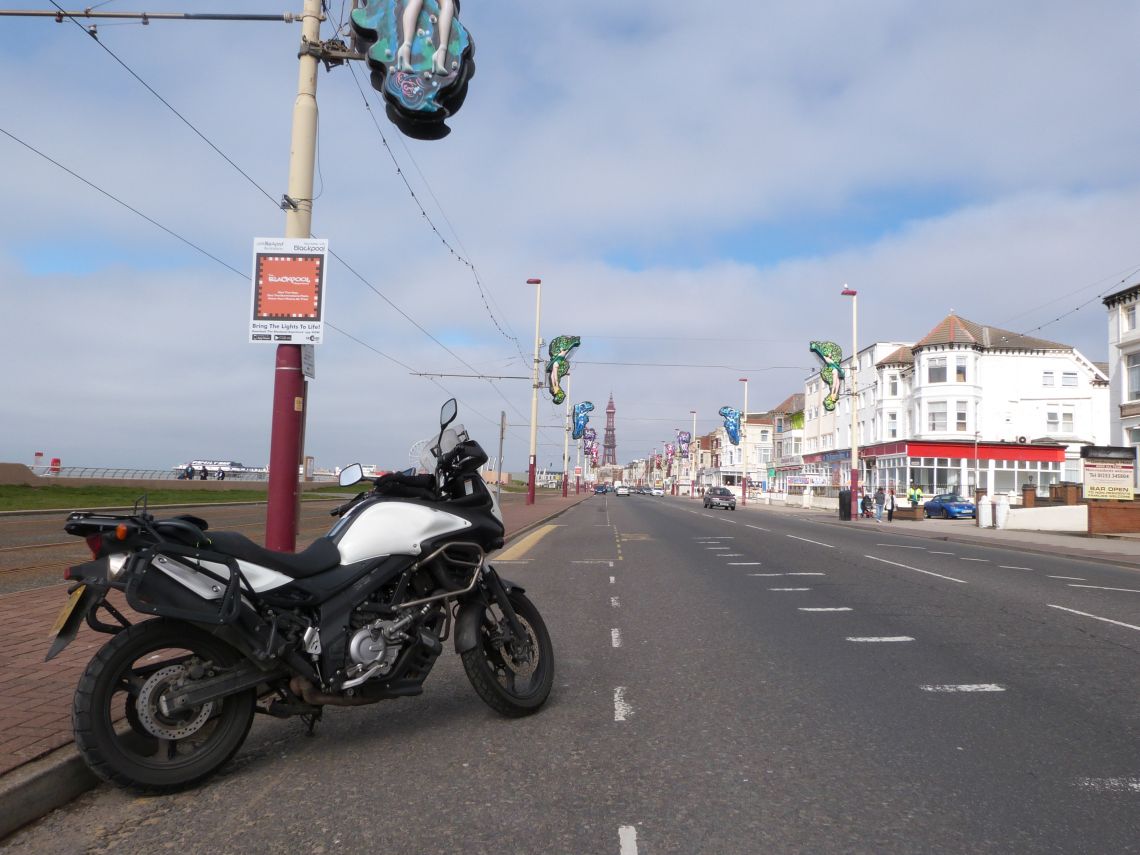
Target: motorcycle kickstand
310, 721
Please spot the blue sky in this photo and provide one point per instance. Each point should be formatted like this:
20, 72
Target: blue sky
693, 191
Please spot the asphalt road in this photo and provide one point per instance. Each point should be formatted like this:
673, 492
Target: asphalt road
744, 682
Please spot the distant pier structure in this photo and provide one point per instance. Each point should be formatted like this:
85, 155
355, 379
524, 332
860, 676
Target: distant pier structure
609, 447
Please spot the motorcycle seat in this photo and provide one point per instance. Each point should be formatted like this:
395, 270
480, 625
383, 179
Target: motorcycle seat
321, 555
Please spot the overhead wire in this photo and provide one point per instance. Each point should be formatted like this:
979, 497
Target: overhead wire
267, 195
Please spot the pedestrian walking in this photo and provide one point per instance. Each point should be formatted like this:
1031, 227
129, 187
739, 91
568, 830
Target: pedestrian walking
880, 500
205, 474
891, 505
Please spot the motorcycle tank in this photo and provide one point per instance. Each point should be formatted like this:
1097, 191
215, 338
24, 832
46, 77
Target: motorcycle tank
391, 528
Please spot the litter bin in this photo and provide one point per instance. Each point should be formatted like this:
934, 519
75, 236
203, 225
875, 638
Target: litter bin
845, 504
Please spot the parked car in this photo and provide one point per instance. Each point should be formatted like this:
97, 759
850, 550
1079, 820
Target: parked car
657, 491
622, 491
949, 506
600, 490
720, 497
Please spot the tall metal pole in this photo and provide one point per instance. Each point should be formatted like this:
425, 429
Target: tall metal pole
744, 446
286, 440
694, 447
854, 295
534, 394
499, 472
566, 445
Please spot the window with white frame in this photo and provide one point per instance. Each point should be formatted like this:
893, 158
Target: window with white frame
1134, 376
894, 384
1058, 418
936, 416
1047, 378
960, 415
1069, 378
892, 425
960, 369
1128, 318
936, 370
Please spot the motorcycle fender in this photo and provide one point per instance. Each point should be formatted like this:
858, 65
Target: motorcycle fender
470, 614
91, 595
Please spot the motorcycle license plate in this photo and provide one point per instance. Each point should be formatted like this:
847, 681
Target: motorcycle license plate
66, 611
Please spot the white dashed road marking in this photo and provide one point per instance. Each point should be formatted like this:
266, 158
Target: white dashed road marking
789, 589
881, 638
1099, 588
627, 837
757, 527
622, 710
615, 637
976, 559
900, 546
1094, 617
839, 609
1110, 785
1011, 567
743, 563
965, 687
1073, 578
805, 540
916, 570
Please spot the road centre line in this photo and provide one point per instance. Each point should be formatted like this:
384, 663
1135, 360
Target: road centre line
965, 687
807, 574
934, 552
622, 709
1099, 588
627, 838
611, 580
805, 540
789, 589
880, 638
731, 555
900, 546
718, 547
975, 559
1095, 617
916, 570
765, 575
743, 563
1071, 578
615, 637
758, 528
1011, 567
836, 609
615, 602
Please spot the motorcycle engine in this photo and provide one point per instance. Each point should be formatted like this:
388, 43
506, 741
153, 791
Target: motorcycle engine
369, 649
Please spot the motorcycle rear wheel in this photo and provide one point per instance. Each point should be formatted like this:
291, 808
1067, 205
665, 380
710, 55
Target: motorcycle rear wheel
157, 753
513, 679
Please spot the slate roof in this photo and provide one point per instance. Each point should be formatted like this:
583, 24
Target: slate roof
903, 356
956, 330
794, 404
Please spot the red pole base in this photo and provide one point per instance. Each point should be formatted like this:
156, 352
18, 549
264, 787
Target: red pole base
285, 450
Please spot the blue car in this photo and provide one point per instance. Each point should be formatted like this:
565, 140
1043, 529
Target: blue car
949, 506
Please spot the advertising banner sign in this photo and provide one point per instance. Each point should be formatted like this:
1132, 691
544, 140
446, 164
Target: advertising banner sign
1108, 479
288, 301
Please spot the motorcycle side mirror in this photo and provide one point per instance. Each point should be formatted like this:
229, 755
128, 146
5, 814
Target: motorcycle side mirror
448, 413
349, 475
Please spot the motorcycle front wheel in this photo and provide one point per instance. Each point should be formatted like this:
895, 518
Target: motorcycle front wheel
121, 728
513, 676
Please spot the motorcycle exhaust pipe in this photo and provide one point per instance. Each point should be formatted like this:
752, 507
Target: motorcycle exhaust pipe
309, 693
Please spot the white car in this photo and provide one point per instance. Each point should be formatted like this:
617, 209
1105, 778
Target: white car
622, 491
657, 491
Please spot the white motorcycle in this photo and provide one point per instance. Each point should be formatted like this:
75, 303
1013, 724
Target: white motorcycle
358, 617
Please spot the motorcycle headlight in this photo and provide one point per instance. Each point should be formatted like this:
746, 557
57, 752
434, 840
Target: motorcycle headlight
115, 565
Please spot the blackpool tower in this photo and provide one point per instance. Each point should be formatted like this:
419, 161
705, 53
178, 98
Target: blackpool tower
609, 449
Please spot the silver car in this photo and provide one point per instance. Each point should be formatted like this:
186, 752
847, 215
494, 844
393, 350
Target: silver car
720, 497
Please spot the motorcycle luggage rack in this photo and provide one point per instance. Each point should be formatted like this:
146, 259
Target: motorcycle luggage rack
146, 588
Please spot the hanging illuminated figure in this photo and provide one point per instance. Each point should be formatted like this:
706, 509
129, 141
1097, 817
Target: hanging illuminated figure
558, 366
832, 372
581, 417
731, 417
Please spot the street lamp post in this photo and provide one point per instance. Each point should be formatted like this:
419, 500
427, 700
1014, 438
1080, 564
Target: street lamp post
977, 482
854, 295
566, 445
534, 395
744, 447
693, 457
